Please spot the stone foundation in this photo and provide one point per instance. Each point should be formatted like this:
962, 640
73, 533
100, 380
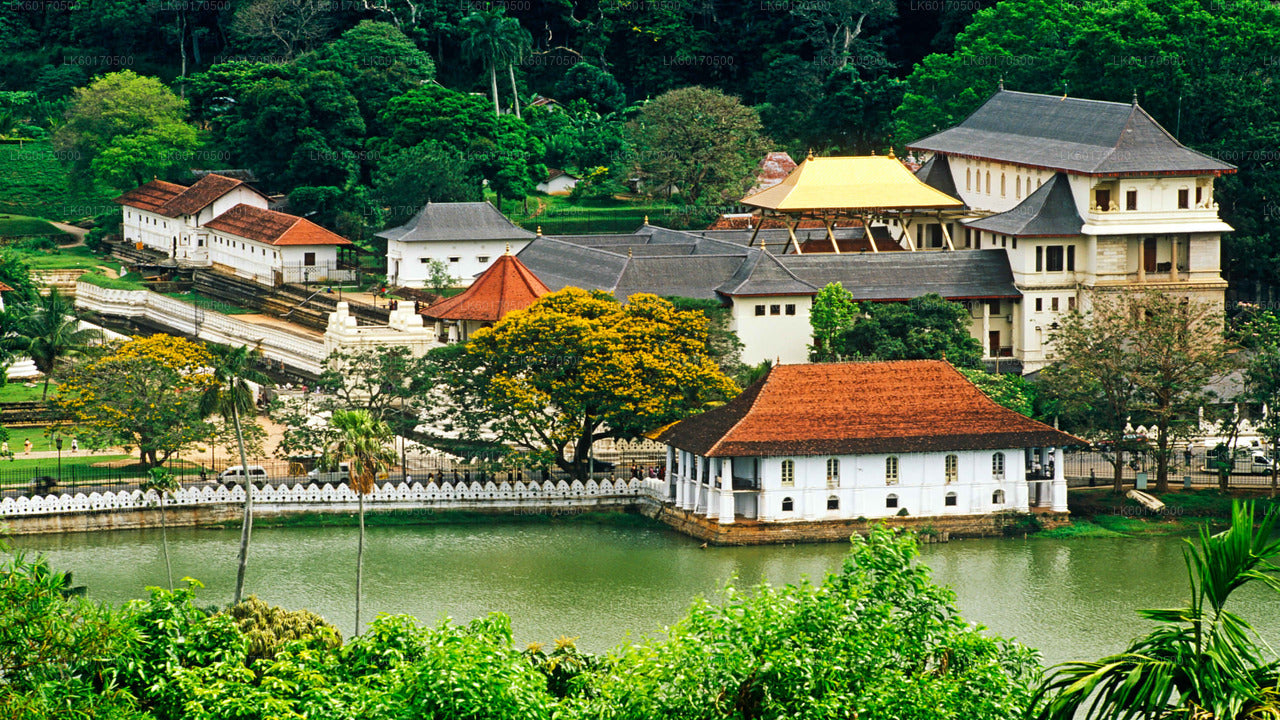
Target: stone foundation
121, 519
752, 532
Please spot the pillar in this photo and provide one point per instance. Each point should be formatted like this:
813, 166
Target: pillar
1059, 482
673, 486
686, 478
1173, 258
986, 328
713, 499
1142, 260
725, 515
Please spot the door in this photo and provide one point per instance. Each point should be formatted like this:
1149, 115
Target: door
1149, 255
1104, 199
993, 343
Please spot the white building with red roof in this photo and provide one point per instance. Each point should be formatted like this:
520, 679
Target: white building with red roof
223, 223
505, 287
840, 441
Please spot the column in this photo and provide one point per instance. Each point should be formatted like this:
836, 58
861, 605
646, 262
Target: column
725, 494
1173, 258
686, 479
1059, 482
986, 328
672, 490
697, 481
713, 495
1142, 260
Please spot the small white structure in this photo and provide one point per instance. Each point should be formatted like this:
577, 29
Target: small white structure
405, 328
842, 441
558, 182
467, 237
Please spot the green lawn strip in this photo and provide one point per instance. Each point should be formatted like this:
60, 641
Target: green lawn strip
25, 225
78, 257
17, 391
431, 516
34, 182
205, 302
130, 281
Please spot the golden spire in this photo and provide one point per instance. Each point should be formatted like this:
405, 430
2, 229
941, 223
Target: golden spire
646, 219
810, 154
539, 231
508, 252
628, 251
891, 152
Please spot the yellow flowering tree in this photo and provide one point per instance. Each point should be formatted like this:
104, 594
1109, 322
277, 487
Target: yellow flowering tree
575, 367
145, 395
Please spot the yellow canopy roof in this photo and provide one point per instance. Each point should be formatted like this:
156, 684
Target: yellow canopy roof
851, 183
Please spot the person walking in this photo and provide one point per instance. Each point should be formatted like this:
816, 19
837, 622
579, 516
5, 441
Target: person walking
26, 446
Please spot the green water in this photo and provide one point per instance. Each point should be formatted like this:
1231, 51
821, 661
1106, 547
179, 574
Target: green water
1071, 599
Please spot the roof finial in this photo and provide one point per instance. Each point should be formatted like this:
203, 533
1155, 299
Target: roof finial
1135, 97
1001, 85
1066, 88
891, 152
539, 231
810, 154
508, 252
628, 251
646, 219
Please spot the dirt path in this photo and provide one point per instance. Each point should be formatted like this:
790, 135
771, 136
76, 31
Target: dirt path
78, 232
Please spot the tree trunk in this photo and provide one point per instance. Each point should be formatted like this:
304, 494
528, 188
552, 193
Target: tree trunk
493, 88
164, 543
1274, 469
359, 562
246, 526
515, 96
44, 397
1162, 459
1117, 465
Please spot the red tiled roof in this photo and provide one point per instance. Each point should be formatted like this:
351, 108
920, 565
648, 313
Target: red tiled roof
505, 287
151, 196
861, 407
172, 200
4, 287
273, 228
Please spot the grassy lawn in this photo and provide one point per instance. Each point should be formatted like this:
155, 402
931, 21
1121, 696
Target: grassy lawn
17, 391
561, 215
20, 470
78, 257
33, 181
128, 281
203, 301
19, 225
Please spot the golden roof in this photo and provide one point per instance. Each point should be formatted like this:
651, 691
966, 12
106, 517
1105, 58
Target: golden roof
851, 183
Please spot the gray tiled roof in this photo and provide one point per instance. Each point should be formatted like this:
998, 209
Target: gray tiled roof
763, 274
1050, 211
957, 274
1071, 134
936, 173
559, 264
690, 277
457, 221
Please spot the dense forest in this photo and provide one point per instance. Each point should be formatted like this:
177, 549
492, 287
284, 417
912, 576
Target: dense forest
362, 109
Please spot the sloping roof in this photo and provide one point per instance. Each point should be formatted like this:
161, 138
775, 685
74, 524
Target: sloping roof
561, 264
243, 174
861, 407
850, 183
437, 222
172, 200
695, 276
273, 228
1050, 211
763, 274
4, 287
936, 173
773, 169
1092, 137
151, 196
900, 276
506, 286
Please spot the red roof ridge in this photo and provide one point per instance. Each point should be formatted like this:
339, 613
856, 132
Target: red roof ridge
491, 296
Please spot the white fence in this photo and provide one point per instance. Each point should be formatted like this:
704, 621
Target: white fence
294, 350
403, 495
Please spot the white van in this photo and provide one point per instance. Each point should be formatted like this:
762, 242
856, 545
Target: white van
234, 475
342, 474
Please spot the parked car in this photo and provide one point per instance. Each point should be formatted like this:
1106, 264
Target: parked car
1245, 462
342, 474
234, 475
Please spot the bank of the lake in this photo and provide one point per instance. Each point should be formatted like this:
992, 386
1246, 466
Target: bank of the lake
601, 582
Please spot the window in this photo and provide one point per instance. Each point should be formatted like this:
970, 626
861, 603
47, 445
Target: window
424, 261
952, 465
455, 259
1039, 304
788, 473
482, 258
833, 472
833, 503
1102, 198
775, 309
891, 501
1015, 243
309, 258
997, 497
950, 500
1039, 259
968, 178
1071, 302
759, 310
1199, 195
995, 306
988, 182
1131, 200
891, 470
788, 504
997, 465
791, 309
1053, 304
1071, 258
1017, 187
1002, 184
1184, 198
1053, 258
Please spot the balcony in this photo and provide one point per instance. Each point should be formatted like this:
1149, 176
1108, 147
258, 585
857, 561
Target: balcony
1114, 221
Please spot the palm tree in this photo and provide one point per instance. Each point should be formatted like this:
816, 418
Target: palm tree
50, 332
1203, 661
488, 39
363, 442
165, 484
515, 48
230, 397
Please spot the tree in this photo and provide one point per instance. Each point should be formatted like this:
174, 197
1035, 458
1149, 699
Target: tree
362, 441
124, 126
833, 313
588, 82
164, 484
488, 39
576, 367
1261, 331
1203, 661
875, 639
1008, 390
51, 333
145, 395
230, 396
293, 24
427, 172
701, 141
924, 328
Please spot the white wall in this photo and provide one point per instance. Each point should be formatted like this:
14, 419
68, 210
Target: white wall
464, 258
773, 336
921, 488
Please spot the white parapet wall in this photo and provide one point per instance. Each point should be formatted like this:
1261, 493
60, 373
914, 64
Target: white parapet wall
294, 350
405, 328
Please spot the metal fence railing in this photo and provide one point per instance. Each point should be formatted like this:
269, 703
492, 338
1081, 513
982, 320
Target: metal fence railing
1084, 468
